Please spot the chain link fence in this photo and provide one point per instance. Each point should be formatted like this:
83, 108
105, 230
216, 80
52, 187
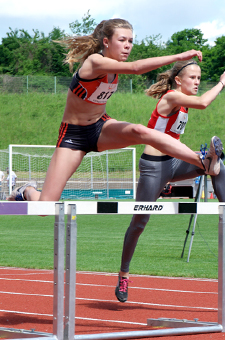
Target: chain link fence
48, 84
45, 84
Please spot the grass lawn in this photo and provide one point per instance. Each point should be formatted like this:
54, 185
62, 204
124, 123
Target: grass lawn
27, 241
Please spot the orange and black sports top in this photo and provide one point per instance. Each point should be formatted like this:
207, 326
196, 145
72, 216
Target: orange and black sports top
173, 124
96, 91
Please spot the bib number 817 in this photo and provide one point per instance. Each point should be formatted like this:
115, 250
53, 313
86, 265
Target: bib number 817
104, 95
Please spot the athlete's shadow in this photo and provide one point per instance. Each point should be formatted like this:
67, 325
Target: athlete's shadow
11, 319
104, 305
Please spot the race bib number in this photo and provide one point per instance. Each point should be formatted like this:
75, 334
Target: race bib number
180, 123
103, 93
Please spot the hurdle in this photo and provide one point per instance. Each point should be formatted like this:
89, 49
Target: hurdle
197, 199
64, 306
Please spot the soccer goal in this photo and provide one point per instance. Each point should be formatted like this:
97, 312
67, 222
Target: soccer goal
101, 175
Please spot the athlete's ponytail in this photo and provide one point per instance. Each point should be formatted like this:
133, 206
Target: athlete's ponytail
163, 84
166, 80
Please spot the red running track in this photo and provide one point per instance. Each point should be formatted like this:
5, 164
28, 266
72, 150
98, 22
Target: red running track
26, 302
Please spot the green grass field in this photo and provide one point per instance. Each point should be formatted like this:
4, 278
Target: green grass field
27, 241
35, 118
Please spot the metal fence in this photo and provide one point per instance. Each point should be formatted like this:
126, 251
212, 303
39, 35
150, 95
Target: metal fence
45, 84
49, 84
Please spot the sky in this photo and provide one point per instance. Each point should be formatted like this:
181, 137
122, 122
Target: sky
148, 17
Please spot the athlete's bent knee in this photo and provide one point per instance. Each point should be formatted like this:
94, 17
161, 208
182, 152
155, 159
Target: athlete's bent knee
139, 222
139, 129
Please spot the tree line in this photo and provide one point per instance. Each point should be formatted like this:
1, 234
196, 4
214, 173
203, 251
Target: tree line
37, 54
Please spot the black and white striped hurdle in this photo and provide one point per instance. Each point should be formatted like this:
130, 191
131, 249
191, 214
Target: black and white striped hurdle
123, 208
64, 304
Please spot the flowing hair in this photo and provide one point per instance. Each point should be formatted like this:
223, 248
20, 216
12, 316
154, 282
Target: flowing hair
166, 80
81, 47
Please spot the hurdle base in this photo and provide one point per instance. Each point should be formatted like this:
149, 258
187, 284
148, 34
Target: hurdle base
182, 327
178, 323
167, 327
13, 333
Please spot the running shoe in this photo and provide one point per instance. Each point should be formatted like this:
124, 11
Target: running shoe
18, 193
211, 162
121, 290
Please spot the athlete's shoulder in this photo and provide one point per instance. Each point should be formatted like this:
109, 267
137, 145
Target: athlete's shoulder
172, 96
169, 93
95, 58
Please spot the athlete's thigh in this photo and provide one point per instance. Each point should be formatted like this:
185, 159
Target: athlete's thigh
63, 164
114, 135
153, 177
183, 170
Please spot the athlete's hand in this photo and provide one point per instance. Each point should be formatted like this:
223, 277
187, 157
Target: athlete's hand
190, 54
222, 78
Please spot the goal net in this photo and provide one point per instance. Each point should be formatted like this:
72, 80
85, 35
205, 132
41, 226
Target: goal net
101, 175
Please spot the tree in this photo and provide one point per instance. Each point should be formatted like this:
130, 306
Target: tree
58, 67
11, 44
23, 54
186, 40
191, 39
217, 59
86, 27
206, 64
149, 47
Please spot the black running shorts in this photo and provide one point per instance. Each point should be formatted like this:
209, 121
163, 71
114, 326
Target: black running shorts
78, 137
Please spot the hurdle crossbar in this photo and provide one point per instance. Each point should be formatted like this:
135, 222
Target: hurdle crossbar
64, 327
123, 208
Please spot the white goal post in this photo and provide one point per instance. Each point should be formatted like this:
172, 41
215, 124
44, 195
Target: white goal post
101, 175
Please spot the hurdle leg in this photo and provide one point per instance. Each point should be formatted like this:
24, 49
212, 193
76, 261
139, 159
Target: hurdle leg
192, 237
197, 199
221, 271
58, 300
205, 188
70, 289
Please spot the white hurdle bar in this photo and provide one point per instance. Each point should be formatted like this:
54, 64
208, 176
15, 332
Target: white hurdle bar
122, 208
64, 325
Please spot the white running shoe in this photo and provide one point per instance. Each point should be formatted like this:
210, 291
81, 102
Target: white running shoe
18, 193
211, 162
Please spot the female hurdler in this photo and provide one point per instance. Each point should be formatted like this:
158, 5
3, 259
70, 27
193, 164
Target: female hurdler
176, 90
85, 124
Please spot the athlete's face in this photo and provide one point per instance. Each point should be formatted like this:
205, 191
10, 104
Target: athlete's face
190, 79
120, 44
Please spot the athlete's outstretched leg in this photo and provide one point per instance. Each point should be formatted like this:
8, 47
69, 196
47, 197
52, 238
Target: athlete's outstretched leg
116, 134
219, 183
63, 164
152, 180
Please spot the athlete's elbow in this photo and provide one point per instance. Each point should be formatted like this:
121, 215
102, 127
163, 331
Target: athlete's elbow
139, 129
136, 69
203, 105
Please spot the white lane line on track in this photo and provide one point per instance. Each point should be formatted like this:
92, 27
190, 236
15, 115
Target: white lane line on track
128, 302
27, 294
78, 318
109, 286
45, 271
151, 276
24, 313
149, 288
151, 304
24, 280
114, 321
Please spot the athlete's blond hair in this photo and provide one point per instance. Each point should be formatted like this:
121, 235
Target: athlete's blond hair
166, 80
